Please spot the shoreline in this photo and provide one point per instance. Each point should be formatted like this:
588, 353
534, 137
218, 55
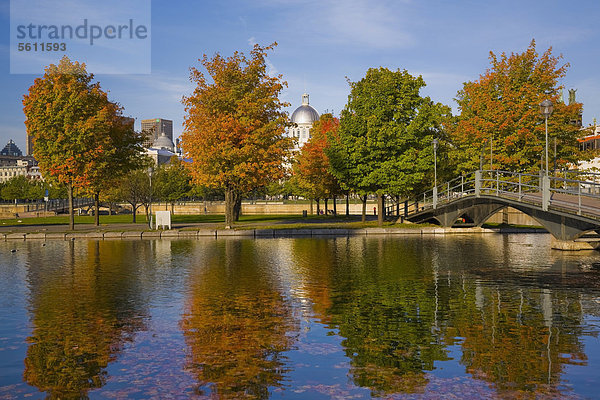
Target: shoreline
257, 233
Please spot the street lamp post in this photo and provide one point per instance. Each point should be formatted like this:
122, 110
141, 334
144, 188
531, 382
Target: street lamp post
435, 146
492, 151
434, 199
150, 171
546, 108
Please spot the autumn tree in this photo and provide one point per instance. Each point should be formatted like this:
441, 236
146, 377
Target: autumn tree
500, 117
384, 141
234, 127
78, 134
122, 152
312, 170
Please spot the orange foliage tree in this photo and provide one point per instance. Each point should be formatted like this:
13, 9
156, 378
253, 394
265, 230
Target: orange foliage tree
312, 170
79, 136
234, 127
501, 110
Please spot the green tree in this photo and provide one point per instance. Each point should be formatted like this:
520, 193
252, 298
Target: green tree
234, 127
501, 110
16, 188
134, 188
123, 153
35, 190
383, 145
78, 134
171, 182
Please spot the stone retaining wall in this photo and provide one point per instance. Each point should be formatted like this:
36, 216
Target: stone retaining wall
249, 233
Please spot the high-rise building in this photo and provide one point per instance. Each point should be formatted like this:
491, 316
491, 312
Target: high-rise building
29, 144
155, 128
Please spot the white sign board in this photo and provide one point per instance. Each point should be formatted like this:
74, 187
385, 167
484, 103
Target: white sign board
163, 218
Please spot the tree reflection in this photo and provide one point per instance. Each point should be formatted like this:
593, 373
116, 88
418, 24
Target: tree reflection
381, 302
511, 338
237, 323
83, 309
399, 304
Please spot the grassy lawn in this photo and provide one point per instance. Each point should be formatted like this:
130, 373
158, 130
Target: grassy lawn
181, 219
265, 221
64, 220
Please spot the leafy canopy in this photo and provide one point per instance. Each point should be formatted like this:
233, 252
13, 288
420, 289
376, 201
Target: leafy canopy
502, 107
312, 170
386, 129
235, 124
79, 136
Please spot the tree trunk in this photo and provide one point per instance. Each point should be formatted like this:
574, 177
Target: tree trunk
347, 204
364, 208
379, 209
230, 199
97, 208
311, 207
326, 200
71, 210
334, 205
133, 211
238, 207
173, 208
318, 206
146, 208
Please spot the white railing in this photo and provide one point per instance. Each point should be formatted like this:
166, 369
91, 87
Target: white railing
570, 191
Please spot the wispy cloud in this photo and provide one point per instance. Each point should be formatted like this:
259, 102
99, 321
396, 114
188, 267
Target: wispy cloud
361, 23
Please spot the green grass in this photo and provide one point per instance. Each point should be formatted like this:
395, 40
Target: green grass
64, 220
182, 219
263, 221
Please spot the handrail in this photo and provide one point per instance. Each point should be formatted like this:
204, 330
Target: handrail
536, 189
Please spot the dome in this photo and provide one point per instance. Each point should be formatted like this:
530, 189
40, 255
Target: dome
305, 114
163, 142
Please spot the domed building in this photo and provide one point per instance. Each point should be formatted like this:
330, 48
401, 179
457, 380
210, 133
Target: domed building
303, 117
162, 150
163, 142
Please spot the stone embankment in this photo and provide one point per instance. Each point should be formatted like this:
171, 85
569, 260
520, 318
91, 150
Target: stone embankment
248, 233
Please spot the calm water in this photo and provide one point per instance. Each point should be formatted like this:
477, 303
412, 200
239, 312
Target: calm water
394, 317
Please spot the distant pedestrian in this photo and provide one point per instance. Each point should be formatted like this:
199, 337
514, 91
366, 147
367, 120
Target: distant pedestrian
374, 210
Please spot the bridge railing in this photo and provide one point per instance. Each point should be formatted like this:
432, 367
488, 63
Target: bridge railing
571, 191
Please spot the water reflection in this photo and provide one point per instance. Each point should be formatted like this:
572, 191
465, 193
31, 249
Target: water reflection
237, 324
314, 317
399, 304
82, 315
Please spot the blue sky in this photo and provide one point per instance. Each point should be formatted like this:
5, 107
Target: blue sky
323, 42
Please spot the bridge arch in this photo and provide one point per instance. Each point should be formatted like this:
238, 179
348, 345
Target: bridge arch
561, 225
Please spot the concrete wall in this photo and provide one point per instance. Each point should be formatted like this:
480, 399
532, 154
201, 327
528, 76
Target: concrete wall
509, 215
512, 216
258, 208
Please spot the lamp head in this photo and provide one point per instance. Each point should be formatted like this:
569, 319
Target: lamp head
546, 108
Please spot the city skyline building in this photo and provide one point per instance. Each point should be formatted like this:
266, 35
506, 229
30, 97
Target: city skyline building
11, 149
156, 127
